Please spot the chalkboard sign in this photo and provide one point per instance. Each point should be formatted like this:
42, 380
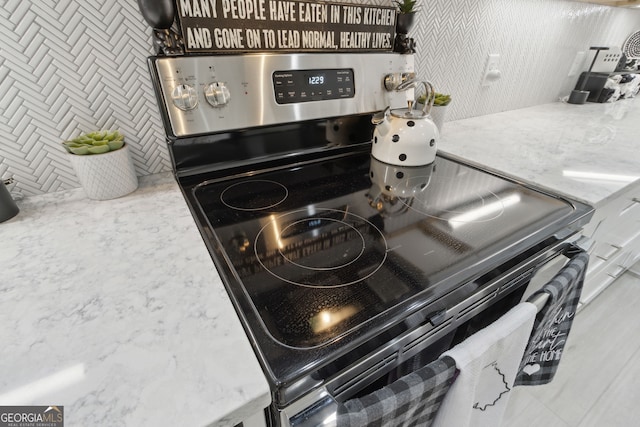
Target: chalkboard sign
212, 26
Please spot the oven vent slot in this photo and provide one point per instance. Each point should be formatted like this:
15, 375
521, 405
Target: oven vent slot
368, 374
422, 338
476, 304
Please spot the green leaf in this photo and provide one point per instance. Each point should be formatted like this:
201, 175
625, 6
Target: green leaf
116, 145
406, 6
99, 149
81, 151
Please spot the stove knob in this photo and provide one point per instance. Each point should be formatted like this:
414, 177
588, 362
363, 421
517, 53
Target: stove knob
217, 94
184, 97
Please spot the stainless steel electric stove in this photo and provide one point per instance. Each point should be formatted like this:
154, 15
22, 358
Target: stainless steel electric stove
342, 267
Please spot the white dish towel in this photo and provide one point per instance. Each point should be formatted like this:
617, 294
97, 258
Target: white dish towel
488, 362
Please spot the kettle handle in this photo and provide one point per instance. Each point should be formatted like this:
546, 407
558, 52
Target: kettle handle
430, 93
380, 116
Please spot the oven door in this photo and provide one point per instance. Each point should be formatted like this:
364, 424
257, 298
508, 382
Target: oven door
430, 338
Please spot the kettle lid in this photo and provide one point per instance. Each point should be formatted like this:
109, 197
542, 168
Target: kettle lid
406, 113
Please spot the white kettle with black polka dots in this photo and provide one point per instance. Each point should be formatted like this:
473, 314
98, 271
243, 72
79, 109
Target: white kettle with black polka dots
405, 136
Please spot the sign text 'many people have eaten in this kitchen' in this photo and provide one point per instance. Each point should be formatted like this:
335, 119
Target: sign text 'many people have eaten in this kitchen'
210, 26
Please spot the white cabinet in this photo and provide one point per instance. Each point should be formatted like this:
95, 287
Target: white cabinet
615, 228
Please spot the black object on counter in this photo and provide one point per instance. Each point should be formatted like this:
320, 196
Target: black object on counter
593, 84
605, 94
8, 208
579, 95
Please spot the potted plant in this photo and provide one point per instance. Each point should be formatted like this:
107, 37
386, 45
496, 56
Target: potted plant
439, 109
406, 13
102, 163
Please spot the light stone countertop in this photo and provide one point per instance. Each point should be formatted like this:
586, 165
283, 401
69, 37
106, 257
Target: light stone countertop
114, 309
588, 151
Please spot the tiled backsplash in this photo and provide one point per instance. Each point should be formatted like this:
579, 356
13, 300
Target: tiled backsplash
68, 66
537, 41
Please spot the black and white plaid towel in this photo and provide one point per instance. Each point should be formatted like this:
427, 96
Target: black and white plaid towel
412, 400
553, 323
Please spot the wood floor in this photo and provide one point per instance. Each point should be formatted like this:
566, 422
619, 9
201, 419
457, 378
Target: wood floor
598, 381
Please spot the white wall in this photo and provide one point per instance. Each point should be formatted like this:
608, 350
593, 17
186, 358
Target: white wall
68, 66
537, 41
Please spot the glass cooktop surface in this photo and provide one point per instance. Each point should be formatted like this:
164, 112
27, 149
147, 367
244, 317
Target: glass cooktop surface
321, 249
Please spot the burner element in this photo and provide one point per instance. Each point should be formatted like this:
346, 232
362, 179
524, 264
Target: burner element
329, 249
350, 250
254, 195
476, 206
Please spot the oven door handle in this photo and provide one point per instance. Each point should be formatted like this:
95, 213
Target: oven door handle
581, 244
571, 250
322, 413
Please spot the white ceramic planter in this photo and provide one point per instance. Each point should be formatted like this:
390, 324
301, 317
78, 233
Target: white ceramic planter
438, 114
106, 176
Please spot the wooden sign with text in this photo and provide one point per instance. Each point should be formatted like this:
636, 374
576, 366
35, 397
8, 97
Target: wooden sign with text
213, 26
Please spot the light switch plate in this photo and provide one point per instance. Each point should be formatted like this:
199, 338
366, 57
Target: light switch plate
491, 71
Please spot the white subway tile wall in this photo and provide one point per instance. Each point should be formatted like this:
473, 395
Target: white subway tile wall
68, 67
537, 41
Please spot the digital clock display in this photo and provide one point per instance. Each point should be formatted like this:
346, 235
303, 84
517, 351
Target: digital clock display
320, 84
316, 79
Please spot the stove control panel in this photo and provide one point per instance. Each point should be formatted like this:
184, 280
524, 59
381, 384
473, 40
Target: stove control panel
218, 93
313, 85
